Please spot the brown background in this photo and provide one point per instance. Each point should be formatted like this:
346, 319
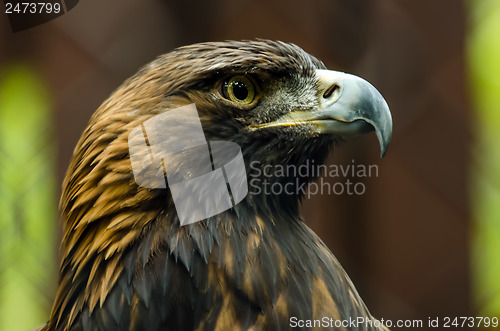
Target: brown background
405, 242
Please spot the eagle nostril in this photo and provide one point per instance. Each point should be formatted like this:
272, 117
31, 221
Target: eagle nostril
330, 91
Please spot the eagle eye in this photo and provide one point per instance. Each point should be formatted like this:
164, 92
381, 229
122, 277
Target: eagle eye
238, 89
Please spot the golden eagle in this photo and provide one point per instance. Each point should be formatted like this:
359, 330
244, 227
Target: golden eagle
128, 264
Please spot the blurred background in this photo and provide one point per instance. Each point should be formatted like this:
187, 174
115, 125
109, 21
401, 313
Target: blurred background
423, 241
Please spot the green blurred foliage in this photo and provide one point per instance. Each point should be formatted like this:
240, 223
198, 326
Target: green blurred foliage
28, 204
484, 77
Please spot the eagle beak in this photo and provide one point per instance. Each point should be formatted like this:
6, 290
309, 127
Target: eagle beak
349, 105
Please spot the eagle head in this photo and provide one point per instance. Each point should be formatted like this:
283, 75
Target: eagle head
126, 261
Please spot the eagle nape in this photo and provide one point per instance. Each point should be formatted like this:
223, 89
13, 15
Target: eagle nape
127, 263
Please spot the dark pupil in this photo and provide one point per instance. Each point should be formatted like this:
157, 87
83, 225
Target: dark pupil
240, 90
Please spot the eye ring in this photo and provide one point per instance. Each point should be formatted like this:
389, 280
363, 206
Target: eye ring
239, 89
